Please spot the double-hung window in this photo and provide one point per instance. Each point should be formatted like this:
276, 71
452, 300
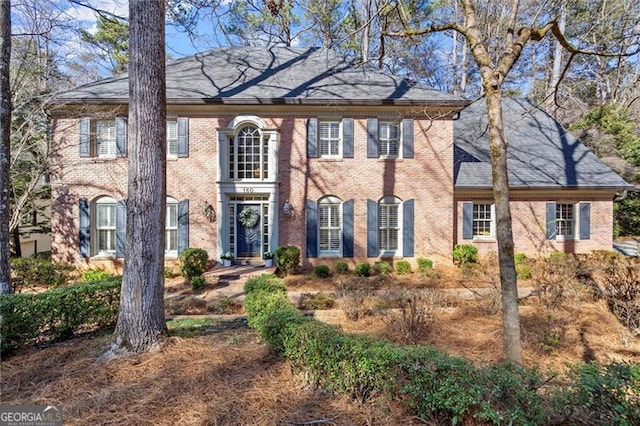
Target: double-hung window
388, 138
565, 220
171, 228
329, 226
329, 138
483, 223
172, 138
105, 226
105, 137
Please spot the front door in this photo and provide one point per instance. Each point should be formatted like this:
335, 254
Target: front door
248, 223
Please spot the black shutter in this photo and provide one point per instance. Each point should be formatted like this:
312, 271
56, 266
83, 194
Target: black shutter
183, 137
347, 229
372, 138
551, 221
183, 225
372, 229
407, 229
85, 228
407, 138
121, 227
467, 221
85, 138
585, 221
312, 138
311, 208
121, 137
347, 137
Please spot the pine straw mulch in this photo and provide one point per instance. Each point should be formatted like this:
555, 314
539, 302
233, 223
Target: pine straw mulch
227, 378
585, 332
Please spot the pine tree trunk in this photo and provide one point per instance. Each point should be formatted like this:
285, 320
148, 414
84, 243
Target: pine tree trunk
512, 346
5, 141
141, 322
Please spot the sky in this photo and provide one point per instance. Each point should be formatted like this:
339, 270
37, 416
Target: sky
178, 43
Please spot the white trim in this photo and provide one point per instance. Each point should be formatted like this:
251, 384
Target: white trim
240, 120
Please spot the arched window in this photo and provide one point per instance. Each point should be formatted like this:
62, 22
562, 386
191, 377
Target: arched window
248, 155
329, 226
105, 226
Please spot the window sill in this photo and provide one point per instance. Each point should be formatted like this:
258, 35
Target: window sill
330, 159
104, 256
172, 158
105, 159
484, 239
394, 159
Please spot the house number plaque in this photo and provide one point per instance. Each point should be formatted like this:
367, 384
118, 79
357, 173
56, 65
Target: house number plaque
248, 190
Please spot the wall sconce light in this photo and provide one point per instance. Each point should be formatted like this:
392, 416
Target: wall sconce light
287, 209
209, 212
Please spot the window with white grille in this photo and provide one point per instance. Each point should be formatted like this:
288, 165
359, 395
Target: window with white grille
565, 220
329, 138
172, 138
483, 220
388, 138
105, 226
105, 137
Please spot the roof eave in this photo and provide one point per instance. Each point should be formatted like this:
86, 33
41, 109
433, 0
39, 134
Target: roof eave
449, 104
615, 188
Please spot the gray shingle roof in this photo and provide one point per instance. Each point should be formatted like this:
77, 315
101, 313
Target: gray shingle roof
541, 153
252, 75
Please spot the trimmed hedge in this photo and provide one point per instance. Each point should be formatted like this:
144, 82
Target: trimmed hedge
437, 387
27, 319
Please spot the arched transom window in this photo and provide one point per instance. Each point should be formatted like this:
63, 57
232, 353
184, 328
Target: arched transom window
248, 155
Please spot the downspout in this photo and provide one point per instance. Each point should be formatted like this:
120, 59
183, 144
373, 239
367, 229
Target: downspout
621, 196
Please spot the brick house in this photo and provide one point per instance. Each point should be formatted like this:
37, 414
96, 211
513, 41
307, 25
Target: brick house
292, 146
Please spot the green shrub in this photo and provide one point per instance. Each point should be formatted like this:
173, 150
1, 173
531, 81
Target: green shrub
288, 259
91, 275
424, 265
519, 258
403, 267
464, 254
525, 272
313, 302
321, 271
601, 395
167, 272
439, 388
57, 314
382, 267
342, 267
28, 273
362, 269
198, 282
193, 262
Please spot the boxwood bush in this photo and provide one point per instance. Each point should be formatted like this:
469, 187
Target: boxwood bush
28, 273
436, 387
57, 314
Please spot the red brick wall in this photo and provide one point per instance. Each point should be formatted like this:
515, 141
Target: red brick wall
427, 178
529, 227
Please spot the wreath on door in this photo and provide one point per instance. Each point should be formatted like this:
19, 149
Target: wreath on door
248, 217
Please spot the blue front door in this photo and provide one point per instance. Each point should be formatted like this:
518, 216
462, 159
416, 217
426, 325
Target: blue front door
248, 228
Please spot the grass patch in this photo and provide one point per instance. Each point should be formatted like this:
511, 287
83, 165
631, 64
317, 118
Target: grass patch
191, 327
